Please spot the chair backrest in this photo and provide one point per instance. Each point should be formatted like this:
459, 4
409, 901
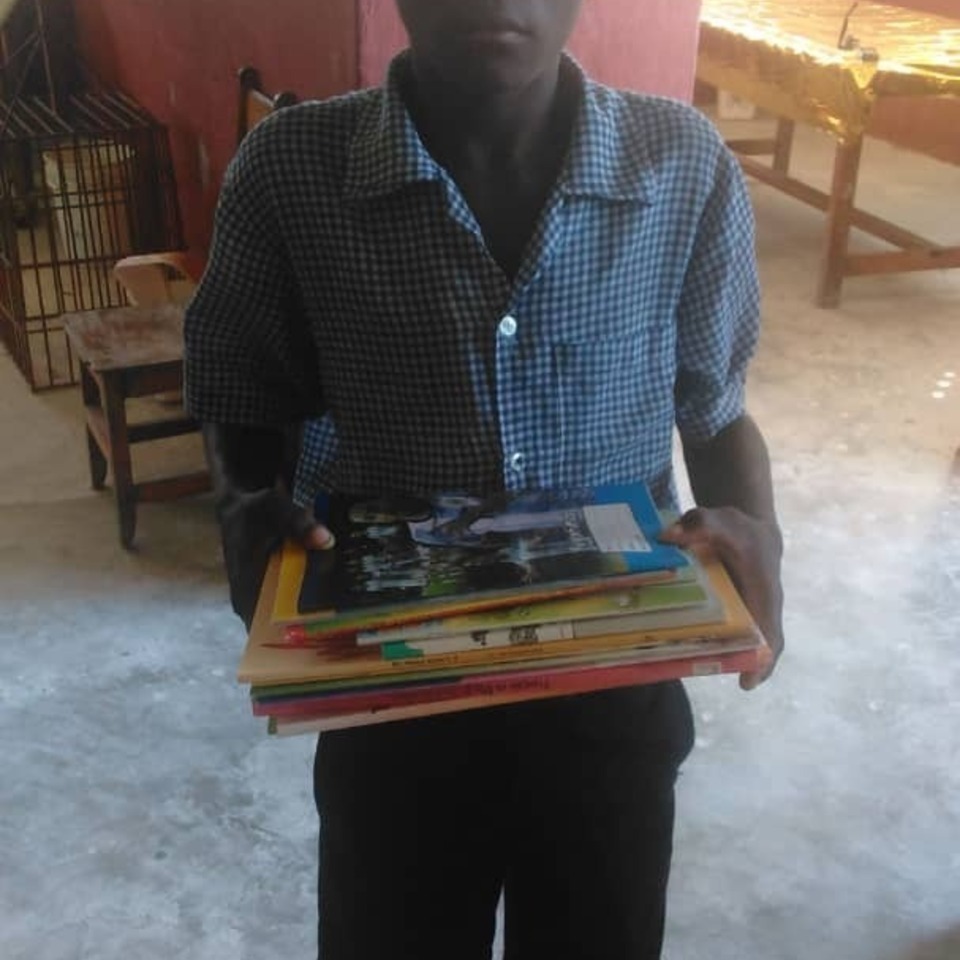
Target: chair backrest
255, 105
171, 277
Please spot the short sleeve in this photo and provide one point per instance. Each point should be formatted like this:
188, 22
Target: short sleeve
250, 358
718, 319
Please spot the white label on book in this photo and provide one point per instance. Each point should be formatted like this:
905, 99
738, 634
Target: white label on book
614, 528
707, 669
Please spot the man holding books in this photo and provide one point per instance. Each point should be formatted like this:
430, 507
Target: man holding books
491, 274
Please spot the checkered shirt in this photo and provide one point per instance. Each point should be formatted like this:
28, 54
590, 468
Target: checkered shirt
349, 286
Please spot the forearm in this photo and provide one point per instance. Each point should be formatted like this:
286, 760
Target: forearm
252, 470
244, 458
731, 481
733, 470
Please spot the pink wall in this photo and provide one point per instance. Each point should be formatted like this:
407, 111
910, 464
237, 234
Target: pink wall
945, 8
179, 58
930, 126
645, 45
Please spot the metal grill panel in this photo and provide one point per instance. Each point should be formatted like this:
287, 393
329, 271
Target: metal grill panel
79, 189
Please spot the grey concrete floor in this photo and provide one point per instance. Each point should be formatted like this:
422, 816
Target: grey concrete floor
144, 813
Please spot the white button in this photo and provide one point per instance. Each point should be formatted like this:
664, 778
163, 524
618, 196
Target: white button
517, 461
508, 326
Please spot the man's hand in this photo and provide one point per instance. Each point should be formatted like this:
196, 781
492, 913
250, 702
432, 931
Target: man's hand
750, 549
252, 469
253, 525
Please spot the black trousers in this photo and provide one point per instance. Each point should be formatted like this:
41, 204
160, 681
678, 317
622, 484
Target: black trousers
565, 805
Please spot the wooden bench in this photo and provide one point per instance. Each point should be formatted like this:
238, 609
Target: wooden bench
137, 351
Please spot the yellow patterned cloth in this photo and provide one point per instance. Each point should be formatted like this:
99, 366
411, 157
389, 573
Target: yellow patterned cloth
786, 57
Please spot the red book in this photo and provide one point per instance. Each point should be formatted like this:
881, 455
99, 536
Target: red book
338, 711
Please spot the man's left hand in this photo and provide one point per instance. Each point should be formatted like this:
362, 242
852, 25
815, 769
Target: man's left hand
750, 549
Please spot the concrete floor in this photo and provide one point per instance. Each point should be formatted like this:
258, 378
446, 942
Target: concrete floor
145, 814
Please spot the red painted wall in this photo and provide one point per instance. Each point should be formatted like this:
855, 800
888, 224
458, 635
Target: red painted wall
179, 58
929, 126
645, 45
945, 8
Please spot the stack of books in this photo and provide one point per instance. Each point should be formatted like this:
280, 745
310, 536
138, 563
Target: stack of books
456, 603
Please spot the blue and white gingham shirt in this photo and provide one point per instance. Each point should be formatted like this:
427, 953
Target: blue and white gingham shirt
349, 276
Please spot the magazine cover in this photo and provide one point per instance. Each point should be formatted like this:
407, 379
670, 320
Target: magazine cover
400, 550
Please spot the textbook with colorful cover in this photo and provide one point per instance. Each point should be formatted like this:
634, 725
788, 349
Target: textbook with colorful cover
314, 715
430, 684
269, 660
462, 604
401, 559
533, 633
682, 602
683, 591
351, 691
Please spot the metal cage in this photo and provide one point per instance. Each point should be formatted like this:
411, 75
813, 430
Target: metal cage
79, 189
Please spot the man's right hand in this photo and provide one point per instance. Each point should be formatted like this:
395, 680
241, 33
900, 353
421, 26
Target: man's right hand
253, 525
251, 468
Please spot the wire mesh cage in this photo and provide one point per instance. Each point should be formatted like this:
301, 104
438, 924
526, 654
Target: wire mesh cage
79, 189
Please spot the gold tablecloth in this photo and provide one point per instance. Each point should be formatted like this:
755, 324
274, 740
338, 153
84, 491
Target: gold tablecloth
784, 56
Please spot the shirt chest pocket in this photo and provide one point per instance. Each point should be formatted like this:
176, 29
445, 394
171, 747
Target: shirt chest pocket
614, 392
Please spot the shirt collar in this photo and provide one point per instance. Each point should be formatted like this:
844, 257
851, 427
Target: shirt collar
387, 154
608, 158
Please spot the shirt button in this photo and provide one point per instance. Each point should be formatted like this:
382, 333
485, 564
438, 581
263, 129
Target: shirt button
508, 326
517, 461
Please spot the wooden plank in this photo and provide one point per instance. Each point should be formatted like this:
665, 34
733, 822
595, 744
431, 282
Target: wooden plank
901, 261
97, 426
753, 147
122, 338
172, 488
893, 234
159, 378
785, 184
843, 193
161, 429
867, 222
783, 149
96, 452
120, 463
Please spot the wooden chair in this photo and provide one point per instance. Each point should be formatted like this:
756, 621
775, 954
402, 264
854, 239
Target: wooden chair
137, 351
126, 353
171, 277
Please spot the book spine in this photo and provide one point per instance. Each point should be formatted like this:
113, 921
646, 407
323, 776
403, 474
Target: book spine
536, 633
478, 640
522, 685
688, 590
365, 663
314, 725
300, 629
561, 646
276, 692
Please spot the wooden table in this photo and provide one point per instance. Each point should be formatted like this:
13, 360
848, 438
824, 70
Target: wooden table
800, 64
130, 352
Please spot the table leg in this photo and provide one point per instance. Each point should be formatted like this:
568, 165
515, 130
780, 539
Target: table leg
114, 403
843, 193
91, 398
783, 145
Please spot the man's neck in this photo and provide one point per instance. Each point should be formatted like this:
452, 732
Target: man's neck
501, 129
